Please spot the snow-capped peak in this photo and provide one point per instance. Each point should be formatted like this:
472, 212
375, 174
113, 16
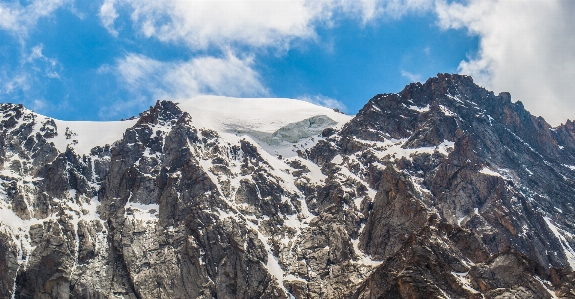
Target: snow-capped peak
265, 115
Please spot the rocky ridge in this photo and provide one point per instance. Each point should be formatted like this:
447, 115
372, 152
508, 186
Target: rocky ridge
443, 190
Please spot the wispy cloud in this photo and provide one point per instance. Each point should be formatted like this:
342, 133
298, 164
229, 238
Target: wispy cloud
13, 82
50, 66
39, 105
25, 82
148, 79
19, 19
108, 16
411, 77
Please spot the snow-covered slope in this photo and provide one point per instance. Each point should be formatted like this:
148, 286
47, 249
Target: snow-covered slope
259, 118
84, 135
253, 114
280, 126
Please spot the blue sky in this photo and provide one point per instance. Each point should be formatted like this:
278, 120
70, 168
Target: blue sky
110, 59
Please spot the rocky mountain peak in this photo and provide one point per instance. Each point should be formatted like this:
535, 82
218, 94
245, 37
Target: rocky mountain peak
477, 159
11, 113
161, 112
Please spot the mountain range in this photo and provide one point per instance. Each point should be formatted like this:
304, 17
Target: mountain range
443, 190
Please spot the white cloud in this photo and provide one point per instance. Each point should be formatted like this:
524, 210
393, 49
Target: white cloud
108, 16
526, 48
322, 100
8, 17
201, 24
24, 82
18, 19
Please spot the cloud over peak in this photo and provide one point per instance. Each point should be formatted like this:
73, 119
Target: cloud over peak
526, 48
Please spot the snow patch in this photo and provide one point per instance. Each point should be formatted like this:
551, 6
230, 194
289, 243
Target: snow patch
419, 109
338, 159
364, 259
465, 282
395, 150
546, 285
83, 136
455, 98
446, 111
144, 212
490, 172
314, 175
567, 250
272, 264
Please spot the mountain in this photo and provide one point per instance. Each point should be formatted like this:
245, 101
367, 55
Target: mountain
443, 190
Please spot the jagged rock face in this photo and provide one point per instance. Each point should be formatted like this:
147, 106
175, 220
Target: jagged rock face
443, 190
506, 176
